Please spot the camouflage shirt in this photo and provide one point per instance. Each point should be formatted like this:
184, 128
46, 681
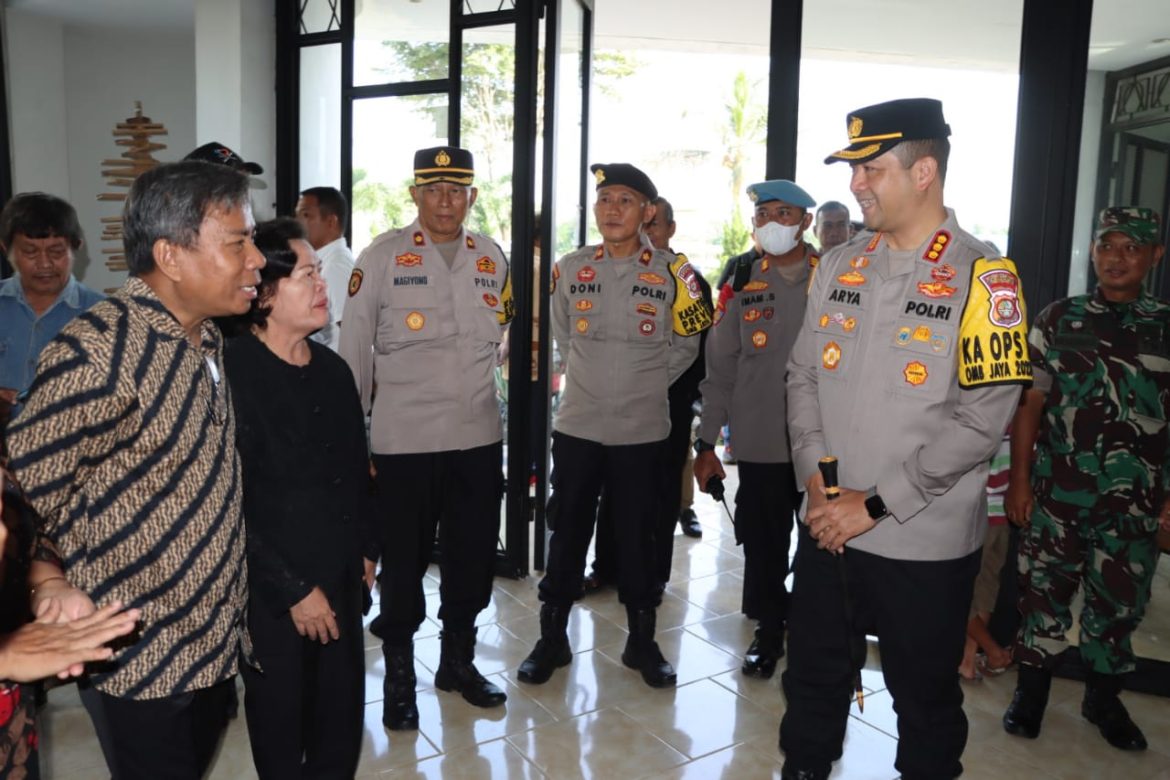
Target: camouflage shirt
1106, 370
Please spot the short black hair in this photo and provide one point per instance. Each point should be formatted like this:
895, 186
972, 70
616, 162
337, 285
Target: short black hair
39, 215
330, 201
274, 240
667, 209
171, 201
832, 205
910, 152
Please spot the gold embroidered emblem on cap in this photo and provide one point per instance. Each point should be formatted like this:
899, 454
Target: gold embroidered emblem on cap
854, 126
442, 159
600, 175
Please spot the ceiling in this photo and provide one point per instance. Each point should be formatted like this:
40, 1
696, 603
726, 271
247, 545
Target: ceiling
980, 34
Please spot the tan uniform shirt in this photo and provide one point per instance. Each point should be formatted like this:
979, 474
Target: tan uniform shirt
873, 380
627, 328
426, 336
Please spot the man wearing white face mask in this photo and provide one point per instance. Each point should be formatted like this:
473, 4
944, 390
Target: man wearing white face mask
757, 317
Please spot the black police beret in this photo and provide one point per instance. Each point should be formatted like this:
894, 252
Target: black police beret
611, 174
875, 130
444, 163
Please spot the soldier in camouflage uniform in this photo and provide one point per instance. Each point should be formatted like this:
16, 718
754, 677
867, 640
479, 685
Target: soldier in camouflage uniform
1097, 413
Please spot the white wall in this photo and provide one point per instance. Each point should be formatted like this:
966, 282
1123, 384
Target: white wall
105, 72
1078, 274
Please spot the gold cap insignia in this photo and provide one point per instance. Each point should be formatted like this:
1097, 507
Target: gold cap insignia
854, 126
753, 196
600, 175
442, 159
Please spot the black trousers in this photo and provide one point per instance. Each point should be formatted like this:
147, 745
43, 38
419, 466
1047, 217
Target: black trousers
765, 504
918, 609
458, 494
682, 415
172, 738
628, 474
305, 706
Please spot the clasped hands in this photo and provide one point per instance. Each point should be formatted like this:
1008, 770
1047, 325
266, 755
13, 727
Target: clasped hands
833, 523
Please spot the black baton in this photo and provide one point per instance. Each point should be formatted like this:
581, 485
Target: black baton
828, 467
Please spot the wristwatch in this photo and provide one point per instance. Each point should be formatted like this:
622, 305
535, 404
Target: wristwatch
875, 506
702, 446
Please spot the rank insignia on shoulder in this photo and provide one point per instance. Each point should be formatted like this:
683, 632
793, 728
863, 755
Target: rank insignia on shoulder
485, 265
651, 278
859, 262
936, 289
813, 261
944, 273
915, 373
491, 300
355, 282
408, 259
936, 247
552, 282
645, 257
765, 265
583, 305
759, 339
755, 286
831, 356
586, 274
599, 252
415, 320
873, 242
646, 327
751, 315
852, 279
470, 242
649, 309
419, 240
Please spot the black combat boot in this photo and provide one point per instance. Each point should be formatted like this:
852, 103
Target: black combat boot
552, 649
458, 673
1026, 711
399, 712
1102, 707
765, 650
642, 651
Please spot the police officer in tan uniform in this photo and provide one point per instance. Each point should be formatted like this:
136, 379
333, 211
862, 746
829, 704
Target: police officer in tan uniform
907, 369
757, 316
426, 309
627, 318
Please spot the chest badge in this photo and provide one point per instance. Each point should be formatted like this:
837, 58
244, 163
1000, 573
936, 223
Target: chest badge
408, 260
859, 262
485, 265
755, 286
759, 339
943, 273
586, 274
915, 373
831, 356
415, 320
646, 327
583, 305
852, 279
491, 300
582, 325
751, 315
936, 289
651, 278
649, 309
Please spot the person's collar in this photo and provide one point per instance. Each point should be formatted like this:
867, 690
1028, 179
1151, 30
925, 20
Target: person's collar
334, 245
160, 318
71, 294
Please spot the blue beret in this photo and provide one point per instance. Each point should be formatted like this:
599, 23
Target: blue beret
780, 189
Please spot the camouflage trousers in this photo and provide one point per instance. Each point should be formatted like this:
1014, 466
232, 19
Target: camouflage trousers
1112, 558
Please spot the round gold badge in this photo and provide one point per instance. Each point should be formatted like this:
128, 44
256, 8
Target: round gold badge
415, 320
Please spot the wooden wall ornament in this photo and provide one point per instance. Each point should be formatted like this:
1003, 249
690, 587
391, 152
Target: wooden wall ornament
134, 133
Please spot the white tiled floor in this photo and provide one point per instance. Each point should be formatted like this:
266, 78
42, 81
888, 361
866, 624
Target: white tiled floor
597, 719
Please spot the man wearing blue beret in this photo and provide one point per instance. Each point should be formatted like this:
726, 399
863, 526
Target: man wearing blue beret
757, 316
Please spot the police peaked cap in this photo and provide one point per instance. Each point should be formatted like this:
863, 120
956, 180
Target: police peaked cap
444, 163
780, 189
875, 130
624, 174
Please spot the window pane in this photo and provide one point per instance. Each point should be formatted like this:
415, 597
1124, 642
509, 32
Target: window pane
386, 134
487, 111
487, 6
320, 16
567, 207
400, 41
320, 116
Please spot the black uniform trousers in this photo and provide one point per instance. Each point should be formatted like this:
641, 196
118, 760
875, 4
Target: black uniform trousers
170, 738
918, 609
682, 415
458, 494
765, 505
629, 475
306, 703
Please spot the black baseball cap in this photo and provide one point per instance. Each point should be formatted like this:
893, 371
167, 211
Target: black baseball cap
215, 152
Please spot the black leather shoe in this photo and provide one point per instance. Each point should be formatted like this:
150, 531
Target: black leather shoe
787, 773
552, 649
457, 672
690, 524
1026, 712
642, 651
1102, 707
763, 654
592, 584
399, 711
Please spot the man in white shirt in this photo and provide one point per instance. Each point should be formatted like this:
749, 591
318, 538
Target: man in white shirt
323, 211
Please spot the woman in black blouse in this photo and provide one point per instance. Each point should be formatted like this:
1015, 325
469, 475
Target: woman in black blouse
308, 516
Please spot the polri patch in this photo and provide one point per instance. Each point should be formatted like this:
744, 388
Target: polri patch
355, 282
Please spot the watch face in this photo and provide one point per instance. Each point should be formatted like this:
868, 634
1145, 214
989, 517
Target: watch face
876, 507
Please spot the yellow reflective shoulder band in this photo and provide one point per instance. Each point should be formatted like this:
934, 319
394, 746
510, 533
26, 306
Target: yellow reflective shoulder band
508, 309
689, 312
993, 345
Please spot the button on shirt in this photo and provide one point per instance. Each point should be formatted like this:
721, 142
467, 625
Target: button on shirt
23, 334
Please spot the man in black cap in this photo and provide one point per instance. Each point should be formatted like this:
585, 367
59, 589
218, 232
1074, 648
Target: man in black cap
627, 318
425, 317
907, 370
215, 152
